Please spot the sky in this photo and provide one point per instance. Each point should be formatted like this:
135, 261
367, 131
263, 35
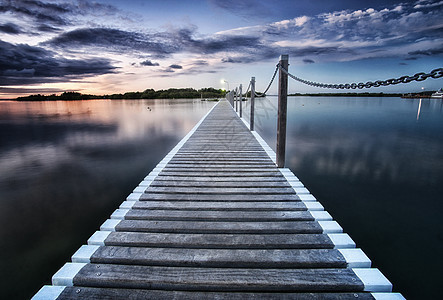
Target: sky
104, 47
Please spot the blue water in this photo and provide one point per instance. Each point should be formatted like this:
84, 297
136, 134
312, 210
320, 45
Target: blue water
376, 164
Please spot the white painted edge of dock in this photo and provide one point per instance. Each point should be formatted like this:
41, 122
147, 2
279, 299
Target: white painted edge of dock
109, 225
341, 240
355, 258
321, 215
49, 292
99, 237
66, 274
84, 253
330, 227
388, 296
373, 280
119, 213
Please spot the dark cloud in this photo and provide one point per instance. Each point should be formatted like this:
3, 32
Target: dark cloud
427, 52
47, 28
159, 45
37, 10
308, 61
45, 15
10, 28
219, 43
113, 40
247, 8
149, 63
24, 64
176, 67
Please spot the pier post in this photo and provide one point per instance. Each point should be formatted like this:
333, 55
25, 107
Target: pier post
282, 110
241, 99
236, 99
251, 122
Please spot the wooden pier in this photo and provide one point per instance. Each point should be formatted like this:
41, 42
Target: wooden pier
217, 219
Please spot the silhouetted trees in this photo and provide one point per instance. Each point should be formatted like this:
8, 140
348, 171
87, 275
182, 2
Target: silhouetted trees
146, 94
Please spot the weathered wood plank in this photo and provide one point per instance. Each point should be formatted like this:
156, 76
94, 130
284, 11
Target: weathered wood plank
218, 173
74, 293
218, 197
245, 179
203, 215
225, 206
219, 227
220, 184
217, 279
219, 241
221, 190
220, 258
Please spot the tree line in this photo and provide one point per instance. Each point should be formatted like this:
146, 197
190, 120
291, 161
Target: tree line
172, 93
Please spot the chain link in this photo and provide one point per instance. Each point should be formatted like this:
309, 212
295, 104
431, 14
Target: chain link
270, 83
436, 73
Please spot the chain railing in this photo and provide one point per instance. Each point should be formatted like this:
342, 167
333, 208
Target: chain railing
436, 73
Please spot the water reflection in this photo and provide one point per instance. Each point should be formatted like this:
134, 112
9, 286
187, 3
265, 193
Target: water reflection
65, 166
378, 169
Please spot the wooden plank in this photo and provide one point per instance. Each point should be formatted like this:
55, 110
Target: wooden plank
220, 241
210, 165
203, 215
218, 197
218, 173
71, 293
220, 184
221, 190
220, 258
217, 279
225, 206
221, 179
219, 227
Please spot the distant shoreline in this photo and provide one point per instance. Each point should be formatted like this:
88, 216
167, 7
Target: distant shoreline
188, 93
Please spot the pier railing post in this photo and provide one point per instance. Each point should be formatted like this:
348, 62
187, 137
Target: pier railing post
241, 99
282, 110
251, 122
236, 99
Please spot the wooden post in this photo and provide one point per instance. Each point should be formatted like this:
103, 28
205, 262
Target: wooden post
282, 111
251, 122
236, 100
241, 99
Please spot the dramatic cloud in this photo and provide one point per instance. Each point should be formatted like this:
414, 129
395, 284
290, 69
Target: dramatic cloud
176, 67
44, 15
24, 64
149, 63
10, 28
308, 61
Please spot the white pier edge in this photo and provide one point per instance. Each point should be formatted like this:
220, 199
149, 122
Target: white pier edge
66, 274
49, 292
373, 280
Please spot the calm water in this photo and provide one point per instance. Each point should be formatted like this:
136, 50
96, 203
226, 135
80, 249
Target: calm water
65, 167
376, 164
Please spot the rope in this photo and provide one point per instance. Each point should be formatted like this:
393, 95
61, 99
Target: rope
436, 73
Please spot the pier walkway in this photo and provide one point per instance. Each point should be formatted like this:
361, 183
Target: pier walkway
217, 219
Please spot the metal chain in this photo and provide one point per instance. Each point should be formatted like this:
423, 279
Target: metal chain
436, 73
247, 90
270, 83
